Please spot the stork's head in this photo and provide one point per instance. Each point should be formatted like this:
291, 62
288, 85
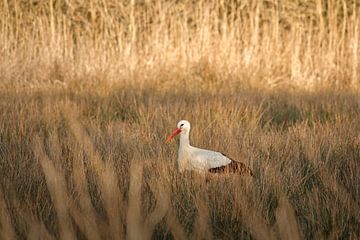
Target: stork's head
182, 127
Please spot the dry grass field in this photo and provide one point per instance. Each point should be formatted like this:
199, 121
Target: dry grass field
90, 90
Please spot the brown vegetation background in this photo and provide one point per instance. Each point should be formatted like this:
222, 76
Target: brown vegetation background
90, 89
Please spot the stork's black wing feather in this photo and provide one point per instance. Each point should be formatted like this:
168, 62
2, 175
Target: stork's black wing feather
233, 167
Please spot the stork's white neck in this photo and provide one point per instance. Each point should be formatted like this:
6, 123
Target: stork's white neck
184, 139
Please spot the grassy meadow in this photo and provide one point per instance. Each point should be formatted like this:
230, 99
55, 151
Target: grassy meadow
90, 90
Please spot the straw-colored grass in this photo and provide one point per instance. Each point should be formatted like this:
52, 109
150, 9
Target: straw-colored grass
294, 44
73, 167
90, 89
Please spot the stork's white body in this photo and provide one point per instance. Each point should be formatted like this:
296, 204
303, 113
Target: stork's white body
201, 160
197, 159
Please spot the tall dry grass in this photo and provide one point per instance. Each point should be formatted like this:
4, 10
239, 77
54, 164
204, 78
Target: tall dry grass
95, 167
90, 89
297, 44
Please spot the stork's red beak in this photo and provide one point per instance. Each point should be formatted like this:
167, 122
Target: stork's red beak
174, 133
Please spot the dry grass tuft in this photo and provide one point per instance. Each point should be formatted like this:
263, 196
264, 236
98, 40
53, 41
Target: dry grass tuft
286, 221
56, 185
7, 230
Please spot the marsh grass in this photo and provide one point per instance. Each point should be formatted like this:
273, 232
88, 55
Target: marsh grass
90, 89
71, 168
273, 44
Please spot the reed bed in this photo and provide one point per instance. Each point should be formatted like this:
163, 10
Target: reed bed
90, 89
73, 167
276, 44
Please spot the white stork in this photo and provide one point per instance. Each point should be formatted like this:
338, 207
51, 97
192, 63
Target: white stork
202, 160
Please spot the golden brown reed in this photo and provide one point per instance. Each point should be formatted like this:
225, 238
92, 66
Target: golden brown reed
272, 44
83, 165
286, 221
56, 185
106, 177
7, 230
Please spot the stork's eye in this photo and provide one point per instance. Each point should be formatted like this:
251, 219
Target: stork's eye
181, 125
